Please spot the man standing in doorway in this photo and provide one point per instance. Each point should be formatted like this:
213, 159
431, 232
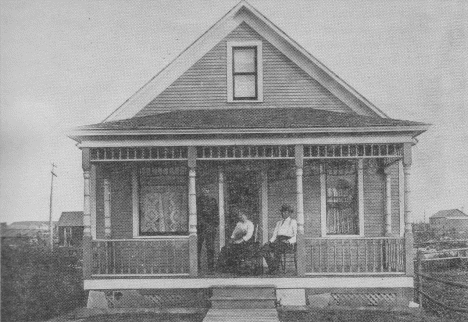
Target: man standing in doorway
207, 223
284, 236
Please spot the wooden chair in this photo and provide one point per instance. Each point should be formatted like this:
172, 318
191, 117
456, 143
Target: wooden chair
286, 254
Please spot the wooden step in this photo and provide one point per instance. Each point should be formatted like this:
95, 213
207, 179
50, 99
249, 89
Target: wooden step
237, 315
244, 292
243, 303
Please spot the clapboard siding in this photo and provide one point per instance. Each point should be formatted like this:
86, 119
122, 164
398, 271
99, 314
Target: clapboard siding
395, 199
204, 85
312, 219
100, 202
121, 203
374, 202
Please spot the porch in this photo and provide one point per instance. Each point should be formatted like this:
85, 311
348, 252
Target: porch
350, 203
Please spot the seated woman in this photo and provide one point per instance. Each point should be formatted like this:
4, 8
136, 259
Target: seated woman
229, 255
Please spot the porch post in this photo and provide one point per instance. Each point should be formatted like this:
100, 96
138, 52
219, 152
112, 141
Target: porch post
107, 209
408, 226
264, 175
192, 199
222, 236
92, 188
301, 264
388, 202
87, 238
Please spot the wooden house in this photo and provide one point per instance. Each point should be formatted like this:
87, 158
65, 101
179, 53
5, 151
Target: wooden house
70, 228
248, 112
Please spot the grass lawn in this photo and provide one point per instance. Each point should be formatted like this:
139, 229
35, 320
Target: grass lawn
145, 317
450, 295
339, 315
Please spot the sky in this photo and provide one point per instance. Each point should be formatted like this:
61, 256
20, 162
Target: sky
68, 63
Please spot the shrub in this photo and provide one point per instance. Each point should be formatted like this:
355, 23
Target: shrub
38, 283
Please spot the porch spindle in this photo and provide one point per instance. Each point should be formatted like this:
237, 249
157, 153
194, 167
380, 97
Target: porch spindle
299, 153
193, 252
107, 209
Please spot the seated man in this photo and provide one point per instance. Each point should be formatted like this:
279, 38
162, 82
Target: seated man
284, 236
229, 255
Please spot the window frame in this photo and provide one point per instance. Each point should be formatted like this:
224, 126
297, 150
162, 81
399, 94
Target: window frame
360, 195
137, 214
231, 46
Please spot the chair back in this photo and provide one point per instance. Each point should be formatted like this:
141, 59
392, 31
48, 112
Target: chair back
255, 233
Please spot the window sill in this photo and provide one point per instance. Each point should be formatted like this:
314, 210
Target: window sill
244, 101
342, 236
162, 237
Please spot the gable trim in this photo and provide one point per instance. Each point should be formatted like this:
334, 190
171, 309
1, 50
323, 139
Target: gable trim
244, 12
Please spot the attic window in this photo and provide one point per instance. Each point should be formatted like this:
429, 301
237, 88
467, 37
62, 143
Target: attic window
244, 71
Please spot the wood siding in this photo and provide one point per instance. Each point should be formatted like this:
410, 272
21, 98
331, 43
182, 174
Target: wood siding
121, 203
100, 202
204, 85
374, 202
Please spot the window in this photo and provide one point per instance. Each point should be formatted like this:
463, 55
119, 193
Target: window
245, 71
162, 201
342, 208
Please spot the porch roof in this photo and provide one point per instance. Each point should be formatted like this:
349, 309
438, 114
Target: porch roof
258, 118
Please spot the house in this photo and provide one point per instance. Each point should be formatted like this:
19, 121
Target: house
449, 221
70, 228
249, 113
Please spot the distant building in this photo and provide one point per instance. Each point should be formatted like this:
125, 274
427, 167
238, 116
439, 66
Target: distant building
452, 220
70, 228
17, 232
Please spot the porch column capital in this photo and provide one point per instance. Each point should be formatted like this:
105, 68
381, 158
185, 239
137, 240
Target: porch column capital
85, 159
407, 154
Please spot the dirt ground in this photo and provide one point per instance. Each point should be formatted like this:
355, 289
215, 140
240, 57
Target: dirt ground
315, 315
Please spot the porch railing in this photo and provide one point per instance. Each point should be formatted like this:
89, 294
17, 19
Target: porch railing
140, 257
355, 255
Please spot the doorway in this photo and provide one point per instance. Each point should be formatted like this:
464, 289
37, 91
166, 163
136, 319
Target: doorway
242, 191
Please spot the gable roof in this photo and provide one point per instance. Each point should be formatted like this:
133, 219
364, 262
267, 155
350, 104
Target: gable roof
71, 219
450, 213
258, 118
244, 13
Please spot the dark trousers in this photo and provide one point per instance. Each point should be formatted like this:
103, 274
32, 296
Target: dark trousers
207, 235
229, 257
272, 252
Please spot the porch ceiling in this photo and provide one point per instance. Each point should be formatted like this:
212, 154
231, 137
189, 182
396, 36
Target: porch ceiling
258, 118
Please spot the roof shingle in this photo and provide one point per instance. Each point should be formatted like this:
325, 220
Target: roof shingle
249, 118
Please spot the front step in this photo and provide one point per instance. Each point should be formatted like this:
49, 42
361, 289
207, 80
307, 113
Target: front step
236, 315
243, 297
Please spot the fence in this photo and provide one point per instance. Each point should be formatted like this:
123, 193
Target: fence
449, 297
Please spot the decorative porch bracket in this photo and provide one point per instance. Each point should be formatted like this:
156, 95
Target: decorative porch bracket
192, 198
299, 154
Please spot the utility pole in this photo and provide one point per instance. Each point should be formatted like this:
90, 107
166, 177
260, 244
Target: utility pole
51, 228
